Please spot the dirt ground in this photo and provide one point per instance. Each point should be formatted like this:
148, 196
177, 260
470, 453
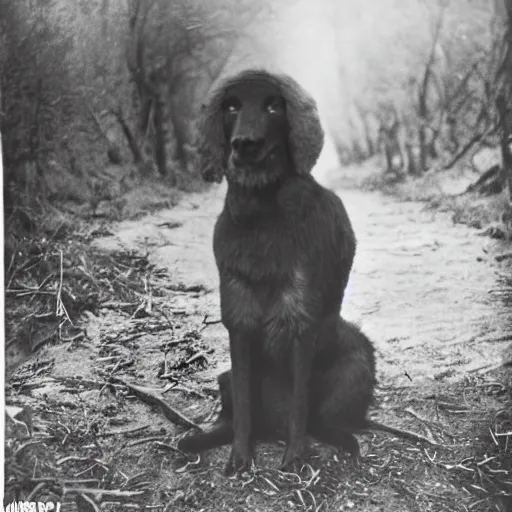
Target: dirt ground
433, 296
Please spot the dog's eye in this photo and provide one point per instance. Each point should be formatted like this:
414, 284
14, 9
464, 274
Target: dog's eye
274, 106
231, 106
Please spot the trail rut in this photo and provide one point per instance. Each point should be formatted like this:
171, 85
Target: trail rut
426, 291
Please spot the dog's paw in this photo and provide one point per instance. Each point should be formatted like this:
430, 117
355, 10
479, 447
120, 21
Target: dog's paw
239, 461
350, 445
292, 461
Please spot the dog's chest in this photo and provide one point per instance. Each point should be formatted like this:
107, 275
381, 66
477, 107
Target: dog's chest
263, 283
258, 254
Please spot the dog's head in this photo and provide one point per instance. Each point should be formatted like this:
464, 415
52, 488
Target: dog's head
257, 126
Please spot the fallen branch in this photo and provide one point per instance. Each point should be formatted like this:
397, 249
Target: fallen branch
169, 412
472, 141
493, 172
406, 434
130, 137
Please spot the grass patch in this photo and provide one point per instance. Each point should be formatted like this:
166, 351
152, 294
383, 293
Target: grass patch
471, 209
148, 198
53, 276
440, 190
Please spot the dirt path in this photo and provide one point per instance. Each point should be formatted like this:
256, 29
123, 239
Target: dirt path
425, 290
429, 294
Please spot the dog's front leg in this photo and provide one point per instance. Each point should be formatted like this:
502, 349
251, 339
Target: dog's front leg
240, 343
299, 406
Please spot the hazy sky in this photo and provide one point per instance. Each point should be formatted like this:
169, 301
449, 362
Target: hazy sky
330, 46
344, 51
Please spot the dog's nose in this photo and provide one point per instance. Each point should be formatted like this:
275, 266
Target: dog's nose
247, 147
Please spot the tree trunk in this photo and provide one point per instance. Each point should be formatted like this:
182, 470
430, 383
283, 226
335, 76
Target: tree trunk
165, 138
130, 137
505, 115
504, 108
160, 138
410, 162
370, 143
422, 137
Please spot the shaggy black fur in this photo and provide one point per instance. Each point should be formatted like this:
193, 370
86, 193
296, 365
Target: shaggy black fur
283, 245
341, 389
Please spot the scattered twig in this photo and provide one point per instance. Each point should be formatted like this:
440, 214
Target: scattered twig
24, 446
86, 383
185, 338
144, 440
170, 224
78, 336
185, 389
503, 257
167, 447
58, 312
487, 369
86, 504
25, 293
210, 322
124, 431
35, 490
117, 305
198, 355
71, 458
194, 288
61, 309
412, 412
102, 492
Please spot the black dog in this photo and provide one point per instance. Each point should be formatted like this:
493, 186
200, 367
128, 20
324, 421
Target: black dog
283, 245
341, 390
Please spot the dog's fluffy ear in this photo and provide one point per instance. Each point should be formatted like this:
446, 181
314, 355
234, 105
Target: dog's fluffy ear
210, 143
306, 136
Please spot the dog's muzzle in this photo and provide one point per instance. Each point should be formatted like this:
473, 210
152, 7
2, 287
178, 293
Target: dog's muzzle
246, 150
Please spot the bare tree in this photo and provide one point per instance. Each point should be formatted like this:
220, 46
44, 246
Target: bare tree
392, 141
174, 51
495, 106
429, 84
504, 107
34, 79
